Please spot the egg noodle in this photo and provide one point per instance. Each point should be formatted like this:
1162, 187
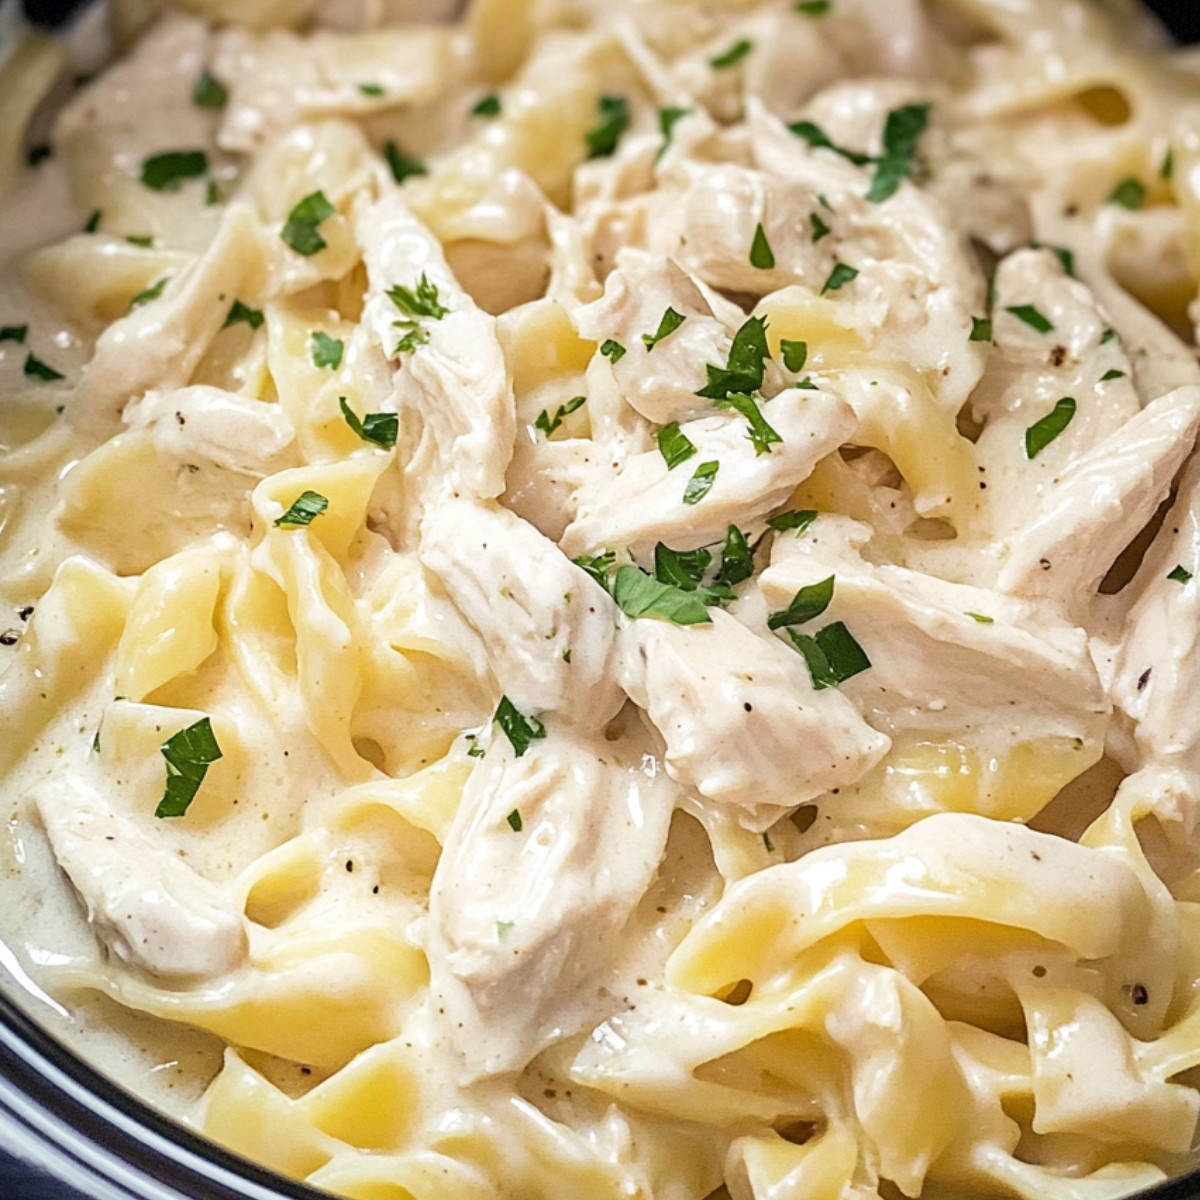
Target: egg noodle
600, 600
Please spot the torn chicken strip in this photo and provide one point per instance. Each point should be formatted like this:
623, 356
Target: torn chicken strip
547, 625
994, 681
147, 905
645, 504
456, 383
740, 718
1097, 504
546, 861
659, 380
160, 344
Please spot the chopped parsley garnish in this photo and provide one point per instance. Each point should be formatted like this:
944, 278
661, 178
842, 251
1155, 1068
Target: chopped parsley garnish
797, 521
819, 228
806, 384
503, 929
514, 821
93, 221
901, 133
806, 605
671, 321
737, 559
13, 333
683, 569
1167, 170
327, 351
597, 566
188, 754
372, 89
548, 424
744, 370
818, 139
761, 434
701, 482
304, 510
165, 172
151, 293
612, 350
209, 92
1041, 433
487, 106
403, 166
211, 193
832, 656
381, 428
795, 354
1110, 374
980, 619
423, 301
243, 312
39, 154
640, 595
1180, 574
733, 55
140, 239
1032, 317
1065, 257
667, 120
1107, 336
813, 8
1130, 193
981, 329
839, 277
36, 369
602, 138
520, 730
300, 230
674, 445
761, 254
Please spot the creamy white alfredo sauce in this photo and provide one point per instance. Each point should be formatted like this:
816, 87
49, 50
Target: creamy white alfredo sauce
599, 600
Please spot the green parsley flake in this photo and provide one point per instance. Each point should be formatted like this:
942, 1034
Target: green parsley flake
832, 656
813, 8
1107, 336
640, 595
981, 329
403, 166
671, 321
674, 445
1167, 170
93, 221
668, 118
38, 155
901, 133
761, 434
1113, 373
806, 605
151, 293
381, 429
737, 558
209, 92
327, 351
211, 193
188, 754
243, 312
1065, 257
839, 277
980, 619
818, 139
602, 138
520, 730
819, 228
733, 55
487, 106
597, 566
503, 929
424, 301
1180, 574
303, 511
1041, 433
1130, 193
686, 569
745, 367
13, 333
612, 350
140, 239
761, 254
795, 354
797, 520
701, 482
165, 172
372, 89
36, 369
514, 821
548, 424
300, 230
1032, 317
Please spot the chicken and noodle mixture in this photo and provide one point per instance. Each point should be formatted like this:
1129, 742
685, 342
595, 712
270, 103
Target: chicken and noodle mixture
599, 599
